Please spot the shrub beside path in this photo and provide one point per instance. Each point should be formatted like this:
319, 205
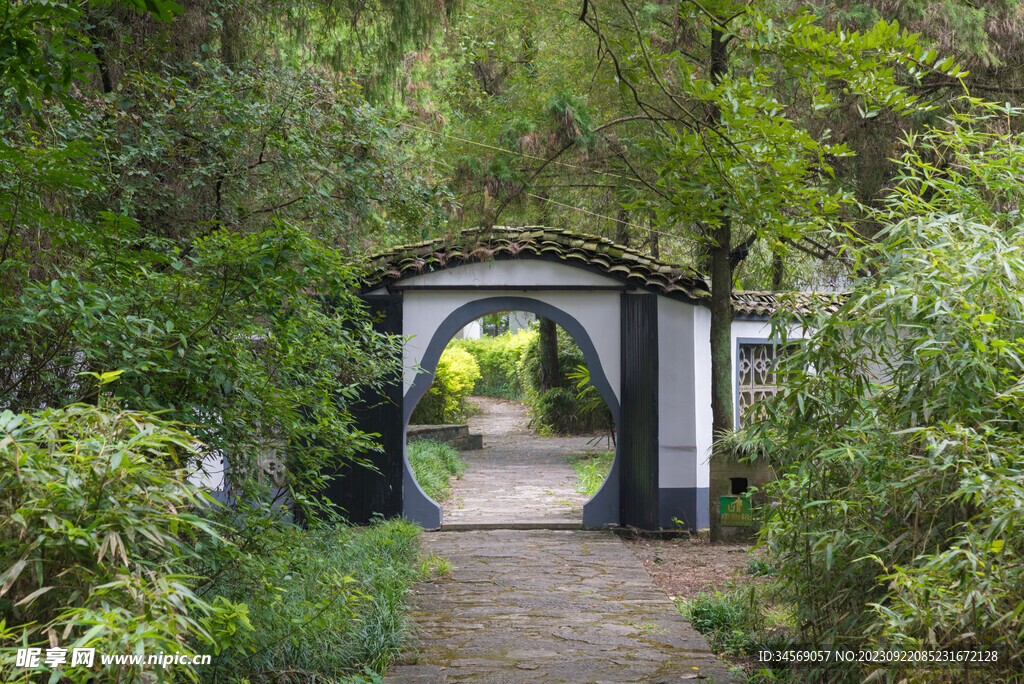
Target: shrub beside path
543, 605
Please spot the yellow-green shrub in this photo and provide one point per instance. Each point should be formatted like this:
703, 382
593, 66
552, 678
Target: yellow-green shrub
500, 358
445, 401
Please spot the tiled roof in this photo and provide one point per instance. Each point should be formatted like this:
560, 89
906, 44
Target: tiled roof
591, 252
537, 242
760, 304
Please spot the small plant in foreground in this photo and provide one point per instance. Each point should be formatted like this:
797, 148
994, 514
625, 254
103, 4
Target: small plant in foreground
591, 470
759, 567
733, 621
432, 564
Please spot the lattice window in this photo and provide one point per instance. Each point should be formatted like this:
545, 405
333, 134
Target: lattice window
757, 377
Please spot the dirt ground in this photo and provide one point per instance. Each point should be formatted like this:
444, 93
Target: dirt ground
687, 567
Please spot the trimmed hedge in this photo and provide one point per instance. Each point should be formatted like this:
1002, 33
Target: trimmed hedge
500, 358
445, 401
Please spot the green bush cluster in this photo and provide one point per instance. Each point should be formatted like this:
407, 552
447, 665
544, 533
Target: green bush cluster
899, 434
500, 358
104, 544
324, 602
445, 401
97, 529
567, 408
433, 464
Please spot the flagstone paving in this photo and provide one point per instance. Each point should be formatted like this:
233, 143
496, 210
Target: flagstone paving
538, 606
533, 606
518, 477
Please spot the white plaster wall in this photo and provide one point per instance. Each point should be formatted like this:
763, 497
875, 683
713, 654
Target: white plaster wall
597, 312
471, 331
702, 392
684, 394
677, 419
506, 272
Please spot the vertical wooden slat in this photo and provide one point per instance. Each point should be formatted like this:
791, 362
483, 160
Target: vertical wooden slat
362, 492
638, 493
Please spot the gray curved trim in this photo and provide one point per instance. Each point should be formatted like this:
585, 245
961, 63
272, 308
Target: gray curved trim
603, 507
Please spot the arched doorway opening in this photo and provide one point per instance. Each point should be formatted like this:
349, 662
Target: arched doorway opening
603, 507
540, 439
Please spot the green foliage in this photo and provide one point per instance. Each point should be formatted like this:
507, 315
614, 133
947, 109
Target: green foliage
445, 401
365, 41
500, 358
733, 621
434, 464
191, 225
762, 168
978, 34
97, 530
592, 469
562, 410
46, 46
324, 602
156, 253
899, 432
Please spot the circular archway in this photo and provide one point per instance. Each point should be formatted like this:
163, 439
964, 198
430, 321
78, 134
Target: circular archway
603, 507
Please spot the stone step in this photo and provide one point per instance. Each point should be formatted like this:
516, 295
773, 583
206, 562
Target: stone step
456, 434
468, 526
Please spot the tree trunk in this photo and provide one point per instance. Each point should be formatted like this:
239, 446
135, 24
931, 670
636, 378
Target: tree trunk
721, 281
549, 373
229, 39
721, 330
655, 245
778, 270
720, 258
622, 227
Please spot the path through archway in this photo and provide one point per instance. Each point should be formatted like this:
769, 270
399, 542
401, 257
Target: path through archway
519, 478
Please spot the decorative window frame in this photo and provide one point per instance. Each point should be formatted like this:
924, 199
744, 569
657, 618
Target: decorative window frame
738, 343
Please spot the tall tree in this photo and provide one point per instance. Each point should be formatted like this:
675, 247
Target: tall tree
733, 158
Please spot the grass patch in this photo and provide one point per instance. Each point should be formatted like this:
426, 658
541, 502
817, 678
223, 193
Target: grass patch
759, 567
739, 622
432, 566
591, 468
433, 464
326, 604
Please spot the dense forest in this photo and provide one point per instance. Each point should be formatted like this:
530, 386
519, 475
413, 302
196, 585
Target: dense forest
188, 190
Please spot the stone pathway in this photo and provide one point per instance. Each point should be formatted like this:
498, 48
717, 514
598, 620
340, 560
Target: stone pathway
517, 477
539, 606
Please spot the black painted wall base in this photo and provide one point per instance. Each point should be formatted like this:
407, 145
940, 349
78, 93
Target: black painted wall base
688, 504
